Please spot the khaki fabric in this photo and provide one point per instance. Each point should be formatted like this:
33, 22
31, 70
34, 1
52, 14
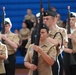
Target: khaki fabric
73, 42
60, 23
58, 37
43, 67
30, 17
3, 51
14, 38
24, 32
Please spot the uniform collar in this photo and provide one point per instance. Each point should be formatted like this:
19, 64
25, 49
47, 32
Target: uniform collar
8, 32
44, 44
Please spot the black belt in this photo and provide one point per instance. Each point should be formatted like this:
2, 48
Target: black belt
12, 54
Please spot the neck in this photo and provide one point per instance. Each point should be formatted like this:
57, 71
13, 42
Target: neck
73, 27
42, 42
52, 27
7, 32
29, 14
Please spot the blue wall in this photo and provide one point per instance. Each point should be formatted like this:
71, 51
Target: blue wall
16, 9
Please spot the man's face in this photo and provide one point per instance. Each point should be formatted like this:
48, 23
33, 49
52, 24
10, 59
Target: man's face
23, 25
43, 34
7, 27
72, 21
29, 12
48, 20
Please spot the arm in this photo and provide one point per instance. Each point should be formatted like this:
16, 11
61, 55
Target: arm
4, 54
10, 42
30, 66
71, 36
27, 62
67, 50
47, 57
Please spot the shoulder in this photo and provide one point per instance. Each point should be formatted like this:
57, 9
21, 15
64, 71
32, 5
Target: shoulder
61, 21
62, 29
26, 15
27, 29
50, 48
12, 34
21, 29
30, 48
48, 44
74, 33
32, 15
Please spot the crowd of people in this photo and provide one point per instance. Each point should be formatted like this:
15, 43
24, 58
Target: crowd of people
53, 52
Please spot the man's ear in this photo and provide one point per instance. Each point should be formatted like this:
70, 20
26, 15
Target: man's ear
55, 19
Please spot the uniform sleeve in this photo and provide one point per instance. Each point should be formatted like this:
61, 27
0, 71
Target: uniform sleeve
26, 17
65, 36
16, 39
52, 52
74, 34
4, 51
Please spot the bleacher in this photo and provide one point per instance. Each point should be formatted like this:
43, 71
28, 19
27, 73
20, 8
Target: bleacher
19, 60
16, 9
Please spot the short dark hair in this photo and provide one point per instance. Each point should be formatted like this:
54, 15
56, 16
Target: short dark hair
6, 22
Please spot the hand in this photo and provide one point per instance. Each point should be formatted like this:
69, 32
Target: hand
3, 37
68, 50
70, 36
36, 48
33, 67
